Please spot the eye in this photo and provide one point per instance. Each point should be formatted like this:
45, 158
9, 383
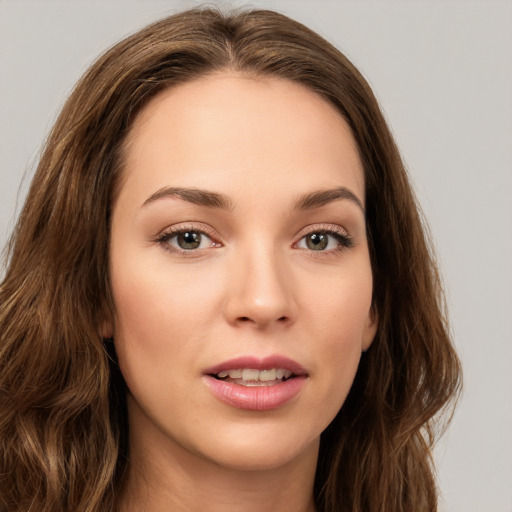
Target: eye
186, 240
324, 241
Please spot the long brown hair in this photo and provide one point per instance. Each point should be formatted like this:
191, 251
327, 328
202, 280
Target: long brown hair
63, 428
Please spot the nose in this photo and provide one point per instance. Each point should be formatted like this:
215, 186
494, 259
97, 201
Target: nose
260, 290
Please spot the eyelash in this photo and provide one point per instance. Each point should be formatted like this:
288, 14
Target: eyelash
164, 238
345, 241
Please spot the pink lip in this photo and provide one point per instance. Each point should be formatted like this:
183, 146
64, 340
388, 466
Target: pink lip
257, 398
257, 364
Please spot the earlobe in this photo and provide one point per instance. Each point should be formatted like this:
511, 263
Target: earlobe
371, 329
106, 330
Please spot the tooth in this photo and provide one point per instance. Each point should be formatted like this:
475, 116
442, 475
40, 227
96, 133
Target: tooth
268, 374
252, 375
249, 374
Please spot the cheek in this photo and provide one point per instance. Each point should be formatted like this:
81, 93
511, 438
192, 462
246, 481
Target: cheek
159, 297
338, 303
339, 324
162, 317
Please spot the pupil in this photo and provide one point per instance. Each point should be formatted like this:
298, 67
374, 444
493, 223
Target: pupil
189, 240
317, 241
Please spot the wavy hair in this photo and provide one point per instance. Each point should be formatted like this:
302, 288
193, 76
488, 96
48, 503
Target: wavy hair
63, 427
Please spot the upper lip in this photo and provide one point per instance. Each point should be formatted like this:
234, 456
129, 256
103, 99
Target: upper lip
256, 363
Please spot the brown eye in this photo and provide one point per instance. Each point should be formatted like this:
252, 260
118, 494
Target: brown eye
186, 240
317, 241
189, 240
325, 241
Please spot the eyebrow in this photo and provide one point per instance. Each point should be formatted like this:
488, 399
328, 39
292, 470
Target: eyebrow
323, 197
193, 195
216, 200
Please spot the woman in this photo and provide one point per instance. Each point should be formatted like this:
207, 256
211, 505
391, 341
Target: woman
219, 293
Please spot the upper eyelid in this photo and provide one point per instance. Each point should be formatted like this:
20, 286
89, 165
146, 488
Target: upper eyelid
181, 228
165, 236
214, 236
325, 227
335, 230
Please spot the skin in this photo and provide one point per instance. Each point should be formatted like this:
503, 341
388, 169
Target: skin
253, 287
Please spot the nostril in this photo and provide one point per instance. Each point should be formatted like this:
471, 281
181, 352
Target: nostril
281, 319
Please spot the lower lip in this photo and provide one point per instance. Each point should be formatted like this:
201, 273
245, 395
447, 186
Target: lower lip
256, 398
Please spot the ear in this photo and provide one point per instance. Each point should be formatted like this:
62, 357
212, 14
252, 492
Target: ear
370, 329
106, 328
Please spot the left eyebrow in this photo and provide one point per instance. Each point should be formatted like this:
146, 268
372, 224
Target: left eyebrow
323, 197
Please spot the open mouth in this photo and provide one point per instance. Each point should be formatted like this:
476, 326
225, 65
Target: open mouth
256, 384
251, 377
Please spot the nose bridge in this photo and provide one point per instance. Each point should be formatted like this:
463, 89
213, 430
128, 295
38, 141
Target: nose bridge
261, 285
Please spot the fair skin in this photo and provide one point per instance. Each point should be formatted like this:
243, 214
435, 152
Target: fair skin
265, 265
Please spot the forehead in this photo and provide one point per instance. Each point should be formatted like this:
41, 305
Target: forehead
239, 133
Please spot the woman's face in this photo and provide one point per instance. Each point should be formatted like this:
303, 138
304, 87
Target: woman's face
240, 271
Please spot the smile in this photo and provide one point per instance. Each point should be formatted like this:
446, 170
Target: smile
253, 377
256, 384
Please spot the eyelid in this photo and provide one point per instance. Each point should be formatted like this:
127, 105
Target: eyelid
333, 229
171, 231
313, 228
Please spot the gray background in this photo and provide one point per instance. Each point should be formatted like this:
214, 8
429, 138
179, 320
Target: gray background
443, 73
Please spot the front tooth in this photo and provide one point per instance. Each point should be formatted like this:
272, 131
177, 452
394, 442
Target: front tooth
249, 374
266, 375
235, 374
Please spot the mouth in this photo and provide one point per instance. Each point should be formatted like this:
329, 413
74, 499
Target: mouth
252, 377
256, 384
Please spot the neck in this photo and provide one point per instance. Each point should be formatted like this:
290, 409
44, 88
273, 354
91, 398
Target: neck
163, 476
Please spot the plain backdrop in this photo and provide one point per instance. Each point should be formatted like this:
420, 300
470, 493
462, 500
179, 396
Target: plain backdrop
442, 71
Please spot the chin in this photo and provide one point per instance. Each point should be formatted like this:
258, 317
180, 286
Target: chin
263, 451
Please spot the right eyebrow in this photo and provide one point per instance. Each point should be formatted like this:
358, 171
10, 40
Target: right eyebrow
193, 195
